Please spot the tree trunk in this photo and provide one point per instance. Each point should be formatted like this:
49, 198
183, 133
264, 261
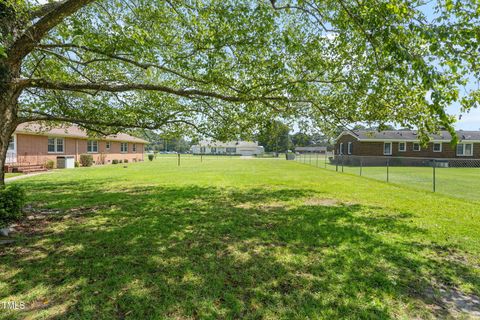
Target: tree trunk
8, 115
7, 127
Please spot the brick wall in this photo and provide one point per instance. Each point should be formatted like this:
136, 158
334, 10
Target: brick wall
375, 148
33, 149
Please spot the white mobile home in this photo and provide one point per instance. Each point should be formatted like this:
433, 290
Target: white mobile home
242, 148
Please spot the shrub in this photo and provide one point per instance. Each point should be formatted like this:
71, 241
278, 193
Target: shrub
12, 200
102, 158
150, 157
49, 164
86, 160
120, 161
77, 164
125, 161
114, 161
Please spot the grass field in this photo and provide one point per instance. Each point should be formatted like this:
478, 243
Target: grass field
457, 182
11, 175
238, 238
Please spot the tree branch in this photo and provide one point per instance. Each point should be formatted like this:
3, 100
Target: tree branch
30, 38
142, 65
44, 9
122, 87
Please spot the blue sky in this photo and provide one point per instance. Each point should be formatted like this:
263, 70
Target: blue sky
469, 121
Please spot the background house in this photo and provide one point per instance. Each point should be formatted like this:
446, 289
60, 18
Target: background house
243, 148
33, 144
314, 149
399, 143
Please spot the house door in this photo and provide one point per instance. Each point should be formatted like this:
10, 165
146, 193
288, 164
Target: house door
12, 150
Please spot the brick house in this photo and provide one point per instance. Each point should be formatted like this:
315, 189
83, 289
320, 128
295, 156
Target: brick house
406, 144
35, 145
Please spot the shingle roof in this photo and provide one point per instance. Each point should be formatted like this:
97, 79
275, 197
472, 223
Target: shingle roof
411, 135
72, 131
310, 148
228, 144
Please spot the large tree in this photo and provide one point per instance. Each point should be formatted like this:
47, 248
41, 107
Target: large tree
222, 67
274, 136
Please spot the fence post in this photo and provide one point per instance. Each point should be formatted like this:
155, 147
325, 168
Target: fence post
336, 161
325, 159
361, 165
434, 176
317, 161
310, 159
388, 173
201, 158
342, 162
178, 156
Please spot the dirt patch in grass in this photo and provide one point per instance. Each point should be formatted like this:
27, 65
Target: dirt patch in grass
263, 207
453, 302
37, 219
321, 202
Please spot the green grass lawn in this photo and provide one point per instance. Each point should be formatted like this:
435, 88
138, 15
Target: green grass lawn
237, 238
11, 175
458, 182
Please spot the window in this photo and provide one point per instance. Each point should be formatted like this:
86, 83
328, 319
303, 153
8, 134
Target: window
387, 148
107, 145
231, 150
416, 146
134, 147
464, 149
437, 147
92, 146
340, 150
11, 143
202, 149
55, 145
213, 150
402, 146
124, 147
349, 148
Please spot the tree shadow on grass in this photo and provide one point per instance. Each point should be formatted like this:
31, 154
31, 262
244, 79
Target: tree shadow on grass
193, 252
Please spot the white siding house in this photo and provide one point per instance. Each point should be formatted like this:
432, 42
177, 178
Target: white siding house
243, 148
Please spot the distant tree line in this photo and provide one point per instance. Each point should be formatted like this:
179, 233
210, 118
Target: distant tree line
275, 136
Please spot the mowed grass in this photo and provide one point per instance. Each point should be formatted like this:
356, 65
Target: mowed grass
237, 238
457, 182
11, 175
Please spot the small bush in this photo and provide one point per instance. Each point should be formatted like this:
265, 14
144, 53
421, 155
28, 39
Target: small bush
150, 157
77, 164
125, 161
50, 164
120, 161
12, 200
86, 160
114, 161
102, 158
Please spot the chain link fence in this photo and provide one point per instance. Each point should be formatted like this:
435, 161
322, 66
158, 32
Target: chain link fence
455, 177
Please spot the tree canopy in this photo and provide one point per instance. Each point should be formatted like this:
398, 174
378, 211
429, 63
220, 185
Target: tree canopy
230, 62
223, 68
274, 137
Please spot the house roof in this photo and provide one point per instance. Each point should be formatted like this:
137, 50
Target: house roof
228, 144
310, 148
409, 135
71, 131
